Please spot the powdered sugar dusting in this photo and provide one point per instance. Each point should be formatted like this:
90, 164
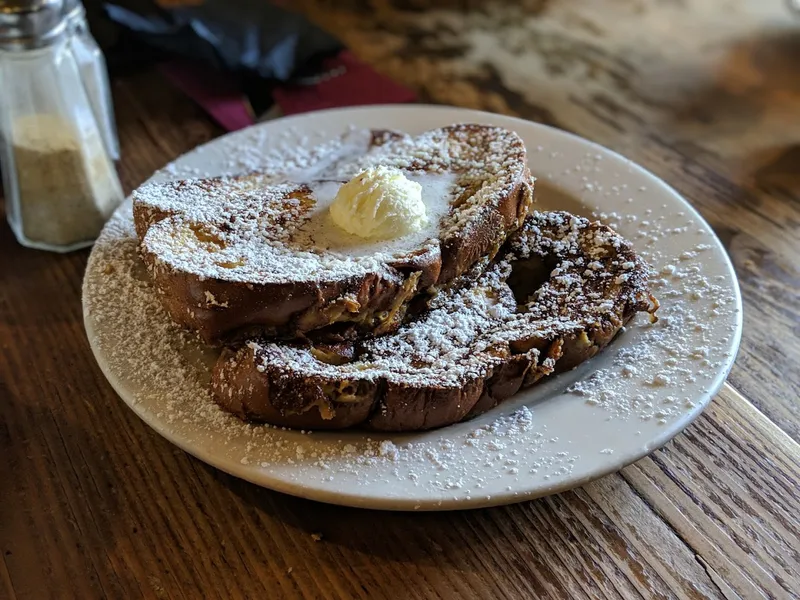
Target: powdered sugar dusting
538, 442
674, 352
681, 349
259, 150
166, 370
476, 324
273, 226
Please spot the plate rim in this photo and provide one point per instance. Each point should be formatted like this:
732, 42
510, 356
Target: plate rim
446, 502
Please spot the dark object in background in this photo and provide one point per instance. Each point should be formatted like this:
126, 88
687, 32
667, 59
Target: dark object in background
238, 59
248, 37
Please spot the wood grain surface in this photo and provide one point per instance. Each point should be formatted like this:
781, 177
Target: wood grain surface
93, 504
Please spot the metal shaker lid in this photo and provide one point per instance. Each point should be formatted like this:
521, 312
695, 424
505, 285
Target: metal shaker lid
27, 24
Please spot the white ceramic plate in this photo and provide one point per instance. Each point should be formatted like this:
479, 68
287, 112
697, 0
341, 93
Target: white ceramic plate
645, 388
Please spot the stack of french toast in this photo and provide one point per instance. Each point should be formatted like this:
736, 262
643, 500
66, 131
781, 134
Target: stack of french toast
325, 324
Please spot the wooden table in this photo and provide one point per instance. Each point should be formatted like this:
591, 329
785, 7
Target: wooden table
706, 94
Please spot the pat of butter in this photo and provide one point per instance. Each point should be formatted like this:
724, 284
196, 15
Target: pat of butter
379, 203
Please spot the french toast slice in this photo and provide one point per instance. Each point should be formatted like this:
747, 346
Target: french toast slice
259, 255
558, 292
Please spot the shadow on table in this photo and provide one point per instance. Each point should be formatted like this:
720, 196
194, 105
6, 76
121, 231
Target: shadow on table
422, 537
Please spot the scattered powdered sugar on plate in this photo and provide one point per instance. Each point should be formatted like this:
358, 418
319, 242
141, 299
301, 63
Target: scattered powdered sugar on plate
257, 149
650, 376
476, 325
166, 367
679, 349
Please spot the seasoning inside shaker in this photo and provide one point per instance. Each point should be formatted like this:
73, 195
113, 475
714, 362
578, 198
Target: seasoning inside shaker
66, 187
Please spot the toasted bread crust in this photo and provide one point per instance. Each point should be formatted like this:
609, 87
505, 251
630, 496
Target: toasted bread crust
223, 309
596, 286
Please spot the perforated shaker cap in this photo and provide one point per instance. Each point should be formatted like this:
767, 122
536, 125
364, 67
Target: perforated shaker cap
27, 24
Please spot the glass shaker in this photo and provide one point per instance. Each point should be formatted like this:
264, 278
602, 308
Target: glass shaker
92, 68
59, 181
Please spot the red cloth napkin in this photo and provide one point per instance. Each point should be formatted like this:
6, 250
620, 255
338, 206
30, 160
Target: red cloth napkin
345, 81
215, 91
